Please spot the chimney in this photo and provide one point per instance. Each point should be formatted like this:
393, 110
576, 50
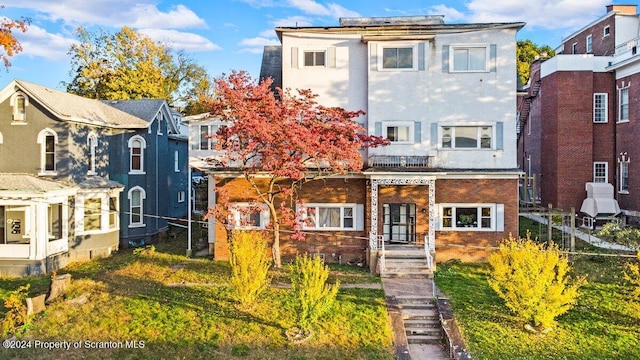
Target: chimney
622, 9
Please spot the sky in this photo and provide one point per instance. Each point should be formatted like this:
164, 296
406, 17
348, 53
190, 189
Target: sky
225, 35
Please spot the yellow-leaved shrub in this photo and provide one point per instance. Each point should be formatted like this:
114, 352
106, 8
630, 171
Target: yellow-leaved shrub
533, 280
633, 276
250, 264
312, 296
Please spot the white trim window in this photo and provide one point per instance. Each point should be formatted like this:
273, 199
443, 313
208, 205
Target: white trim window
589, 44
472, 217
467, 137
47, 139
92, 143
574, 48
332, 216
136, 197
204, 136
624, 177
181, 196
398, 57
314, 58
249, 216
96, 212
606, 31
623, 104
19, 102
600, 172
15, 224
600, 108
398, 132
469, 58
137, 144
160, 118
176, 161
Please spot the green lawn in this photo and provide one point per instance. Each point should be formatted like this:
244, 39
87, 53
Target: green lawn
182, 308
605, 324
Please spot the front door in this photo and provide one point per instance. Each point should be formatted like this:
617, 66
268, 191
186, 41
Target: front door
399, 223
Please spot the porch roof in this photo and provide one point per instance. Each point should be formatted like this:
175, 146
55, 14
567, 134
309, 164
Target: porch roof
25, 183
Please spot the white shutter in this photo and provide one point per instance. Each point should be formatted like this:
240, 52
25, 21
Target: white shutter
359, 217
499, 217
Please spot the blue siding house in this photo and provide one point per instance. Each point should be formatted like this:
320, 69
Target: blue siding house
151, 163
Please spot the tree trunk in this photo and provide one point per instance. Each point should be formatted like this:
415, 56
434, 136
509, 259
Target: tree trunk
275, 249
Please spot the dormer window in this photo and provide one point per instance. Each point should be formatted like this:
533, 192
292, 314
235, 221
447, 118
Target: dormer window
19, 102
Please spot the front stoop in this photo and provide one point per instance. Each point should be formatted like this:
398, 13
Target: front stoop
406, 262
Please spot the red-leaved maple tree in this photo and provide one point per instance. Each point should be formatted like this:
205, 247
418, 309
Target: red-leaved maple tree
279, 143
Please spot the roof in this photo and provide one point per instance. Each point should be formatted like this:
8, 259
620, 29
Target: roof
28, 183
96, 182
399, 27
74, 108
272, 66
145, 109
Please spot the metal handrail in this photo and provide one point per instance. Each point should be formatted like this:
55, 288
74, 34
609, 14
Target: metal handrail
382, 254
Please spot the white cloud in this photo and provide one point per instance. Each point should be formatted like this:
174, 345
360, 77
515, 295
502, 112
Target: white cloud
113, 13
309, 7
450, 14
292, 21
339, 11
148, 16
546, 14
258, 3
181, 40
39, 43
256, 45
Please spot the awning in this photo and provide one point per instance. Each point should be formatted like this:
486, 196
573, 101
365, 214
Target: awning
600, 201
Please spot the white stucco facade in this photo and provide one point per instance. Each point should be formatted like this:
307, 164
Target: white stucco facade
424, 101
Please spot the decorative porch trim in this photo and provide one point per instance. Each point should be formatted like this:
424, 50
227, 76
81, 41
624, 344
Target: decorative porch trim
375, 183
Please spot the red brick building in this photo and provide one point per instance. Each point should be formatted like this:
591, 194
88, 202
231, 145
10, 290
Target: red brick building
578, 117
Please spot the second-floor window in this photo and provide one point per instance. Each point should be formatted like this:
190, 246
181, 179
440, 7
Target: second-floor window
600, 108
19, 102
574, 48
92, 142
314, 58
624, 104
48, 140
600, 172
467, 137
136, 155
176, 161
397, 57
589, 44
398, 133
469, 58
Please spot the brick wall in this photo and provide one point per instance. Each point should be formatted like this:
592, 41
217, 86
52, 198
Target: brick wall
464, 244
627, 135
601, 45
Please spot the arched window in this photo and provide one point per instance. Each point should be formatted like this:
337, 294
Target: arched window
136, 206
92, 143
136, 154
47, 139
19, 102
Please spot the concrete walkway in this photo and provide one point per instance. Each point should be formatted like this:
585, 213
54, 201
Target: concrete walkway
395, 288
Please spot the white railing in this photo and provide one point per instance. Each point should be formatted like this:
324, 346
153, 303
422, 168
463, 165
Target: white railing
429, 247
400, 161
382, 254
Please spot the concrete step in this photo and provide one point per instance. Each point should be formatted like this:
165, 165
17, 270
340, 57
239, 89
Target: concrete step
417, 306
422, 323
424, 339
420, 330
417, 314
408, 275
403, 254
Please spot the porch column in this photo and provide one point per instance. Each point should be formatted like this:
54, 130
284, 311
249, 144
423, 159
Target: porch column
373, 232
